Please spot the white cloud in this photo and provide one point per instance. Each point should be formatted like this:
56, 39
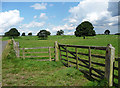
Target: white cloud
35, 17
70, 33
65, 27
43, 16
38, 6
33, 24
8, 19
96, 12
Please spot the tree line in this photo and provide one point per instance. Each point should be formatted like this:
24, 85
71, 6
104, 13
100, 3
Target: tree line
82, 30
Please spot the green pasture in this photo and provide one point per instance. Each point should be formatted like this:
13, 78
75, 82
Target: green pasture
34, 72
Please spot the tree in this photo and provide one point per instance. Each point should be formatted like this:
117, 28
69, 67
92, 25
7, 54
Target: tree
23, 34
60, 32
107, 32
85, 29
30, 34
43, 34
47, 32
13, 32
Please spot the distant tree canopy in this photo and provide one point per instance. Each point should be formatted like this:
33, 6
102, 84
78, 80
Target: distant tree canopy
45, 31
117, 33
60, 32
13, 32
23, 34
85, 29
43, 34
107, 32
30, 34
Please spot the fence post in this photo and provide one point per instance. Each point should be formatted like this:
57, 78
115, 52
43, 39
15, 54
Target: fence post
67, 57
60, 53
56, 51
18, 50
89, 51
76, 58
109, 59
49, 54
23, 53
118, 72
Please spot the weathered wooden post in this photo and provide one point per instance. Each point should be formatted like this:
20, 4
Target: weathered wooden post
109, 59
56, 51
18, 50
76, 58
49, 54
89, 51
60, 53
67, 56
23, 53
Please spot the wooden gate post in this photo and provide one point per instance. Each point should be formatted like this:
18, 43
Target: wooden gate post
109, 59
49, 54
56, 51
23, 53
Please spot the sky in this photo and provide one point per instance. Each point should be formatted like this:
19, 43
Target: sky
53, 16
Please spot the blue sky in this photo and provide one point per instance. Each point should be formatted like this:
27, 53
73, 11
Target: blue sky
53, 16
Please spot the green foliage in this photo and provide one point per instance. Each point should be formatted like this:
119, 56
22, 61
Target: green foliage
30, 34
23, 34
43, 34
85, 29
13, 32
117, 33
60, 32
100, 83
107, 32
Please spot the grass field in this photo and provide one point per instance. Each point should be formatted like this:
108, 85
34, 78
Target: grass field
31, 72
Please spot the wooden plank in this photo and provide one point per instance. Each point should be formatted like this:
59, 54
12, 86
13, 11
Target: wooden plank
98, 56
109, 60
98, 63
49, 54
64, 59
36, 52
89, 52
83, 65
36, 56
39, 48
23, 53
72, 62
67, 57
98, 71
101, 77
76, 58
56, 51
115, 68
60, 53
63, 50
84, 61
116, 77
87, 47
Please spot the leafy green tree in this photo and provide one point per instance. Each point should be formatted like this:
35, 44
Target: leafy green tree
107, 32
30, 34
23, 34
60, 32
47, 32
85, 29
43, 34
13, 32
